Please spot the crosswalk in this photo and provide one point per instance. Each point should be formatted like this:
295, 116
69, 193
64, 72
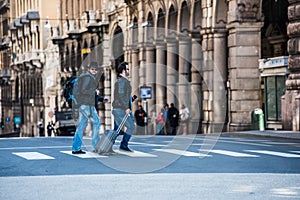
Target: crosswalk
33, 156
155, 153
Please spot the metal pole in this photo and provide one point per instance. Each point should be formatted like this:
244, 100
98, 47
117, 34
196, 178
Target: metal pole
145, 105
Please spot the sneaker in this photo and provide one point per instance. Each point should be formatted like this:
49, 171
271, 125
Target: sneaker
78, 152
125, 149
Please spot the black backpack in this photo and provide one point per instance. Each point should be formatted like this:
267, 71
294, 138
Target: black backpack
71, 92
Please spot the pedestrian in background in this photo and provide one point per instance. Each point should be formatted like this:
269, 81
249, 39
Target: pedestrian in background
152, 125
87, 85
140, 116
160, 122
184, 114
166, 120
49, 129
173, 117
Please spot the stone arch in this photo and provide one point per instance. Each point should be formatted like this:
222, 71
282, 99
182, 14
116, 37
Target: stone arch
66, 59
196, 14
135, 38
78, 56
161, 21
219, 16
172, 19
85, 46
73, 57
184, 17
274, 32
174, 4
150, 30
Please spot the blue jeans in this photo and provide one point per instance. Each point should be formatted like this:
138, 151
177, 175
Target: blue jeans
119, 115
85, 113
160, 130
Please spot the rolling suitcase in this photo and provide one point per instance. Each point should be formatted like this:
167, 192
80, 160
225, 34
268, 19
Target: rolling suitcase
108, 138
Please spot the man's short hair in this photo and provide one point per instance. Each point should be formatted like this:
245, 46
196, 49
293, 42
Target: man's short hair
93, 64
122, 67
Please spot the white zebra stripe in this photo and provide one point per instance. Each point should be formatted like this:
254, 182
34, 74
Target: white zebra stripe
183, 153
86, 155
229, 153
33, 155
274, 153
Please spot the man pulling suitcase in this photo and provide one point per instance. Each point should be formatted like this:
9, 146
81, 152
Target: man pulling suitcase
121, 110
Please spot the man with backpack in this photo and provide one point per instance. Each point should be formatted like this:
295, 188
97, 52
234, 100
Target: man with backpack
85, 97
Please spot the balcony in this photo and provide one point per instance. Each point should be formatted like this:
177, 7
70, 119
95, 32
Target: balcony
4, 6
4, 42
93, 22
5, 73
30, 60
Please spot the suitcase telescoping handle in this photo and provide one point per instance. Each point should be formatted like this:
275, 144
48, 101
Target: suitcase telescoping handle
122, 123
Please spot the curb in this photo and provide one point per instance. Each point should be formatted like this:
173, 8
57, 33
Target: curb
272, 134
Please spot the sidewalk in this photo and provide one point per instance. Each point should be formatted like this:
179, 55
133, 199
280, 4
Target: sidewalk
267, 133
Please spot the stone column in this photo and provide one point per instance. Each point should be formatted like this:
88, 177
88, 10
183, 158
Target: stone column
160, 73
172, 74
109, 80
219, 80
150, 74
196, 83
291, 99
244, 43
184, 71
108, 92
135, 75
207, 84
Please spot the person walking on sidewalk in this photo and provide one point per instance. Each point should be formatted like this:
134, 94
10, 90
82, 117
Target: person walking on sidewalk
173, 117
140, 115
87, 86
122, 104
184, 114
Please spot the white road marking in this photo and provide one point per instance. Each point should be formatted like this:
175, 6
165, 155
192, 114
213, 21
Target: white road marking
183, 153
281, 143
86, 155
229, 153
146, 144
135, 154
274, 153
226, 140
41, 147
295, 151
33, 155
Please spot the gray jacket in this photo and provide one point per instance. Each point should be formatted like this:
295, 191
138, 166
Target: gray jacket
87, 89
122, 94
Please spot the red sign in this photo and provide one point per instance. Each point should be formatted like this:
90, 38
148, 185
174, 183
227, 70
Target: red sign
51, 114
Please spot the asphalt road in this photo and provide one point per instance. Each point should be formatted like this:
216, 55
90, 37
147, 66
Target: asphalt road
162, 167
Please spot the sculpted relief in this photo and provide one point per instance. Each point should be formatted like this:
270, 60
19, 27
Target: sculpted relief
248, 10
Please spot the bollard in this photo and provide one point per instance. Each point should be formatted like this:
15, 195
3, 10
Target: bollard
257, 119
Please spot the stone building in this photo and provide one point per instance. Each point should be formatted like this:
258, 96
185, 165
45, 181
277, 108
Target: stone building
222, 59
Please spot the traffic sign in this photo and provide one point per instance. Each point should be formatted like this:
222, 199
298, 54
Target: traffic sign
51, 114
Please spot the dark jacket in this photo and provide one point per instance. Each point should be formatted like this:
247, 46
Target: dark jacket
140, 117
87, 89
173, 116
122, 94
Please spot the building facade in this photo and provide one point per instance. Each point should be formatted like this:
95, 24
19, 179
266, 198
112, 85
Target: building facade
222, 59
